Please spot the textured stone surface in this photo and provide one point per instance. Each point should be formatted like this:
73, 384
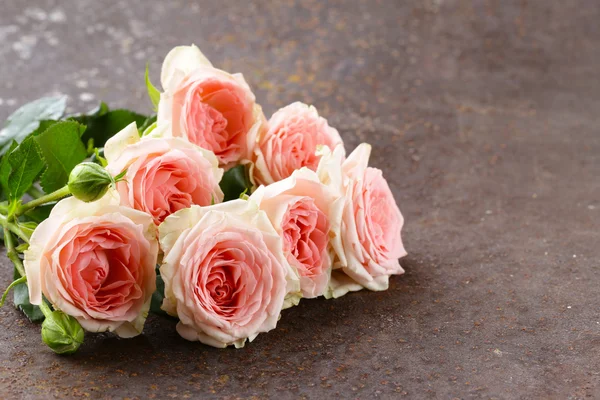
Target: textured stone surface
483, 115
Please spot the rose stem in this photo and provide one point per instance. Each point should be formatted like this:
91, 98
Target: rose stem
12, 254
50, 197
35, 192
14, 228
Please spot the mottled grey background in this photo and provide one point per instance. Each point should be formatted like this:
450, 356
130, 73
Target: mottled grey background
485, 118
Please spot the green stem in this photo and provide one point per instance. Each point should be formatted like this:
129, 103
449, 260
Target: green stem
12, 285
14, 228
35, 192
45, 308
48, 198
11, 252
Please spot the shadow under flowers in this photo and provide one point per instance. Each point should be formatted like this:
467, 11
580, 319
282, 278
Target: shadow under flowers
314, 337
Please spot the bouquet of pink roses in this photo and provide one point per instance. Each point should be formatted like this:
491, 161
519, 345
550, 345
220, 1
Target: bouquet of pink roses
205, 211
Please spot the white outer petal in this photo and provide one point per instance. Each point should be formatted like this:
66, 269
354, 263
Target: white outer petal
340, 284
358, 160
178, 63
329, 169
164, 114
116, 144
162, 130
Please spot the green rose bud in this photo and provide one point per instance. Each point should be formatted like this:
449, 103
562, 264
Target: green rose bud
89, 181
62, 333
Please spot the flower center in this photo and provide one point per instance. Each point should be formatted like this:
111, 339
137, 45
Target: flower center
305, 230
209, 121
222, 282
100, 272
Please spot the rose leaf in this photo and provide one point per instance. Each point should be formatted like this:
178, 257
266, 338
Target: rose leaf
25, 165
27, 119
21, 300
62, 149
235, 182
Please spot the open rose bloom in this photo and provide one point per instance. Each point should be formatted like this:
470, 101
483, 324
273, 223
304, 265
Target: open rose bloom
289, 142
163, 175
369, 245
207, 106
95, 261
225, 273
301, 210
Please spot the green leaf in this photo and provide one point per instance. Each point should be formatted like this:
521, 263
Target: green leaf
90, 149
148, 125
235, 182
45, 124
100, 110
27, 119
27, 227
120, 175
102, 123
22, 248
22, 279
158, 296
21, 300
25, 165
104, 126
153, 92
86, 118
40, 213
5, 168
98, 157
62, 149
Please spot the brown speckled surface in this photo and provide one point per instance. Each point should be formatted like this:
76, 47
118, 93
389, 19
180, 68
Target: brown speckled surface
485, 118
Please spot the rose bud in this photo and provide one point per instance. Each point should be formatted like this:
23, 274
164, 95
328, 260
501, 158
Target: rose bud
89, 181
62, 333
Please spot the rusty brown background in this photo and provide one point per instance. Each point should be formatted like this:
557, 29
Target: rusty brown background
485, 118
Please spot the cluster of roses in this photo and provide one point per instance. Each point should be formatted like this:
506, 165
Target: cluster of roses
315, 223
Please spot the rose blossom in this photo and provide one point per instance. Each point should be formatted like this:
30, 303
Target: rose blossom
289, 142
163, 174
207, 106
300, 209
369, 244
225, 274
95, 261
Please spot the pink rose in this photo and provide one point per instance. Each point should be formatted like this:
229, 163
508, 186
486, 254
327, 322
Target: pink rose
95, 261
369, 244
164, 175
211, 108
225, 274
290, 141
300, 209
